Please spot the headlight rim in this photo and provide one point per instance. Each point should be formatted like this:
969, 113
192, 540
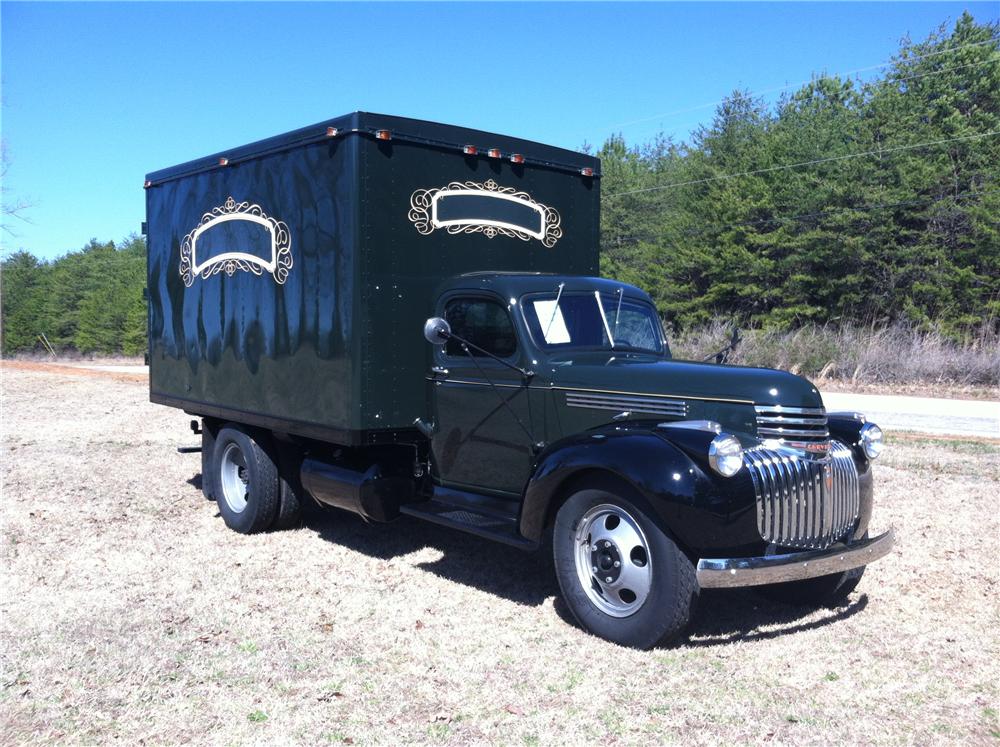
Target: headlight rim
717, 458
873, 445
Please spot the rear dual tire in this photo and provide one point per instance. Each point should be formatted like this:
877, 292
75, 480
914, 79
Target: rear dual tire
245, 479
246, 482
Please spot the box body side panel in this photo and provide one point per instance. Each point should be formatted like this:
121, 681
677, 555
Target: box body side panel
251, 276
406, 257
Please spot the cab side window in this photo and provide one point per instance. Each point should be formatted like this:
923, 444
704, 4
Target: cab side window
482, 322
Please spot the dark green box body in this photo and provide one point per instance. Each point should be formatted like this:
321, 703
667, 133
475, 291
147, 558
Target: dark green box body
321, 334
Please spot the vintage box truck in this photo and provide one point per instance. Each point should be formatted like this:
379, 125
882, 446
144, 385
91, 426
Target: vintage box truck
392, 316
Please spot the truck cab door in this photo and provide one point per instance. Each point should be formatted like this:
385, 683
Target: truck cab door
480, 442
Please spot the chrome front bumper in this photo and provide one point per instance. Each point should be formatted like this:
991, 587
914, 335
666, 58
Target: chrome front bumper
726, 573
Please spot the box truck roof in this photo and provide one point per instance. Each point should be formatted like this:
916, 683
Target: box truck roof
367, 124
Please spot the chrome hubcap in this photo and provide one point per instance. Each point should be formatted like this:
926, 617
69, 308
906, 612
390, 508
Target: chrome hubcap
612, 560
233, 476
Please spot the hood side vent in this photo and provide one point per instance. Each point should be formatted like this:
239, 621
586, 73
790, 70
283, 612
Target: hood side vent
634, 403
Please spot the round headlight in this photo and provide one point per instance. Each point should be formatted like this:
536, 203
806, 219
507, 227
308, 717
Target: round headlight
872, 440
725, 455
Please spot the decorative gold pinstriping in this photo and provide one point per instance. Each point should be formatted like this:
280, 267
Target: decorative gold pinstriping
662, 396
602, 391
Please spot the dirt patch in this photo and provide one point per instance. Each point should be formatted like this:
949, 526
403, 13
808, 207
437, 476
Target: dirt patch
66, 369
130, 612
71, 356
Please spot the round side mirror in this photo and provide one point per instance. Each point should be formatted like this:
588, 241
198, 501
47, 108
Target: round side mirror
437, 330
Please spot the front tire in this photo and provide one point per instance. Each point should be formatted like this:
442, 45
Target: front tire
245, 481
621, 576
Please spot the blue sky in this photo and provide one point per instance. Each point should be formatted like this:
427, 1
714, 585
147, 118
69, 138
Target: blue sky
95, 95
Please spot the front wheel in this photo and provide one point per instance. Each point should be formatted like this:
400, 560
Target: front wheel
622, 577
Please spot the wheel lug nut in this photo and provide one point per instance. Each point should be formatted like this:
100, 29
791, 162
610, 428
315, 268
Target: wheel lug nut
617, 564
608, 579
607, 544
596, 548
595, 569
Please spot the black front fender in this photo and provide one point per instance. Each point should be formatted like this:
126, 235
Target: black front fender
846, 428
702, 510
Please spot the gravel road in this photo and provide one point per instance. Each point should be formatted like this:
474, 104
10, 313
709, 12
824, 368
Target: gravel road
961, 417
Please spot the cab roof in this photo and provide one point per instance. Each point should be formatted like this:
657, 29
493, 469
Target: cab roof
514, 284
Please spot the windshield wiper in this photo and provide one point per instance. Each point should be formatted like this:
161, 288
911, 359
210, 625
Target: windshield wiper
555, 310
604, 318
618, 311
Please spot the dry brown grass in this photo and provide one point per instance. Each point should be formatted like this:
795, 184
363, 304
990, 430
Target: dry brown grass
129, 612
862, 357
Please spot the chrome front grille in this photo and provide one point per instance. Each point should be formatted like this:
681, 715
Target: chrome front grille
793, 425
804, 502
632, 402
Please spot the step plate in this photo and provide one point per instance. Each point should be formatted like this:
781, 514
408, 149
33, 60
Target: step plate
482, 525
477, 520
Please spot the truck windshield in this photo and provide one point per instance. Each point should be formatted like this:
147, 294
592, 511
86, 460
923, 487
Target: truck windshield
574, 321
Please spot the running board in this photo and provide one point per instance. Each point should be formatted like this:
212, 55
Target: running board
465, 519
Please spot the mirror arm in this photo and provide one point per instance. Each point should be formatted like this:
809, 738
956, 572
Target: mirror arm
465, 346
438, 331
528, 375
723, 355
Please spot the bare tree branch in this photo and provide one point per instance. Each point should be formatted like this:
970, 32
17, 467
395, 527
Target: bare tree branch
13, 207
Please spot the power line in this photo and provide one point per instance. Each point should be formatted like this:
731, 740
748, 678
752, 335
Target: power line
864, 208
985, 179
942, 72
806, 82
925, 202
802, 163
733, 115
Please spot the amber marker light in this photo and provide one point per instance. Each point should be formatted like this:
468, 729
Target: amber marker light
516, 158
494, 153
383, 135
587, 171
223, 161
470, 150
332, 131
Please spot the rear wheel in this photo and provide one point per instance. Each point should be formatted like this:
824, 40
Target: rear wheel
622, 577
245, 481
289, 512
207, 455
